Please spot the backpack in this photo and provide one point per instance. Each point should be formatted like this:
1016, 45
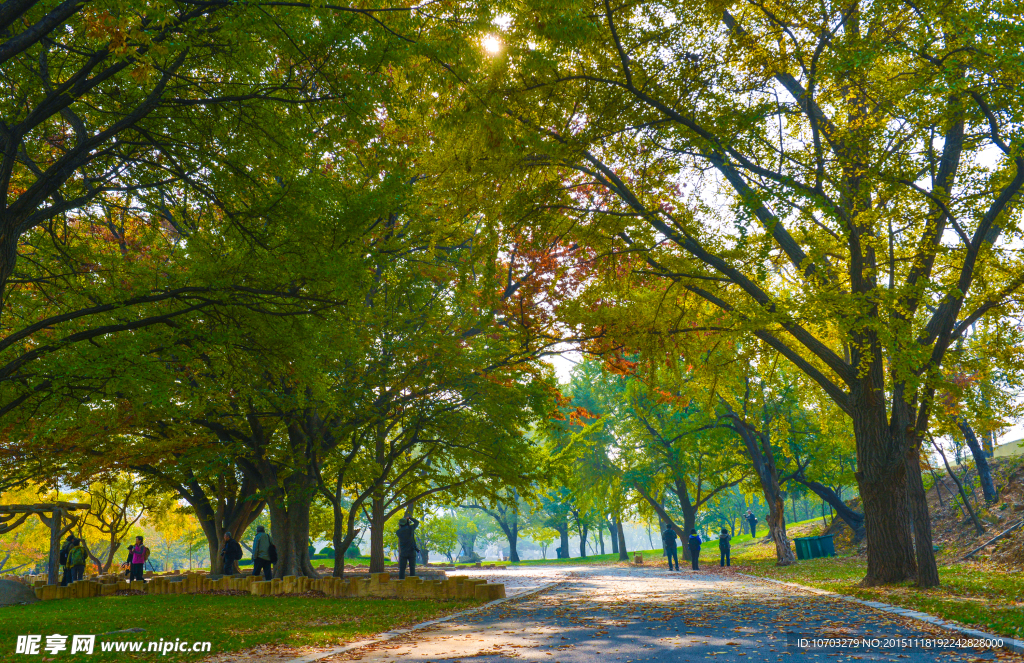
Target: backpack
76, 556
145, 554
273, 554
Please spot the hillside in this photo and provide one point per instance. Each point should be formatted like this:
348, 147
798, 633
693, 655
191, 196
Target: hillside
952, 529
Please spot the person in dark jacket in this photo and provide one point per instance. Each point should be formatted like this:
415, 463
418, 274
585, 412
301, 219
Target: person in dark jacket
407, 546
65, 549
669, 537
723, 547
230, 553
694, 543
752, 521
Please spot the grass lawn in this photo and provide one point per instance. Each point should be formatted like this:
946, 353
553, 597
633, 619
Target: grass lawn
228, 622
974, 594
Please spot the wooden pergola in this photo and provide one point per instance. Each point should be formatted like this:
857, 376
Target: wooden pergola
53, 515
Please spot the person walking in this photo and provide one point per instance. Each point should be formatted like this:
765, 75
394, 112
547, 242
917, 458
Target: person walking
694, 543
230, 553
65, 550
669, 537
407, 546
723, 547
137, 556
752, 521
261, 552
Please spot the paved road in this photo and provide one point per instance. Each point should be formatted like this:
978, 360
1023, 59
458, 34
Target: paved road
626, 615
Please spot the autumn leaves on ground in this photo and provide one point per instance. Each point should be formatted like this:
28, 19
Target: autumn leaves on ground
585, 613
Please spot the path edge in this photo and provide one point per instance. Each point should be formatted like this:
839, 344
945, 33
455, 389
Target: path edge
1011, 644
388, 635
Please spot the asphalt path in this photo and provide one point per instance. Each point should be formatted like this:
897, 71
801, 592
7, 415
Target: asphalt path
634, 615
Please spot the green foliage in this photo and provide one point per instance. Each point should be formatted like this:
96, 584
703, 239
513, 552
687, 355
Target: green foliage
438, 533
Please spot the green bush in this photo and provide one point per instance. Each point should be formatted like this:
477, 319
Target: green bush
327, 552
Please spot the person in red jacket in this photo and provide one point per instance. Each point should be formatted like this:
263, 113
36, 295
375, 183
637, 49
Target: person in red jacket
137, 556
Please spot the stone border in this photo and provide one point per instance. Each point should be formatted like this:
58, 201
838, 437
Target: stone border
379, 585
388, 635
1012, 644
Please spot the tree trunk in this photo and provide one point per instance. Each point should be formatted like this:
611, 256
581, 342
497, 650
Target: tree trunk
583, 531
689, 515
563, 540
988, 487
341, 546
882, 479
854, 520
512, 534
938, 485
377, 525
621, 536
424, 554
339, 540
289, 526
613, 535
600, 536
927, 568
759, 451
232, 509
53, 561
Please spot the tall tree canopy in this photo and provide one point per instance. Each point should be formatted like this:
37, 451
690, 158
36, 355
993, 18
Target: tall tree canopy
840, 180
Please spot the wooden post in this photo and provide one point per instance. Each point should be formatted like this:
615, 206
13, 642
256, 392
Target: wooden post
52, 564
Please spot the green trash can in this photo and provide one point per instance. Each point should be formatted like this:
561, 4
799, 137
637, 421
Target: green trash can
812, 547
828, 546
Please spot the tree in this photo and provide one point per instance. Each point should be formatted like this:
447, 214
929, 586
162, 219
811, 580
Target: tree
651, 440
541, 535
861, 231
437, 532
117, 504
506, 511
107, 112
221, 497
24, 540
697, 462
983, 380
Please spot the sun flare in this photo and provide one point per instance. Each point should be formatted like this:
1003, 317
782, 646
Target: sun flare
492, 44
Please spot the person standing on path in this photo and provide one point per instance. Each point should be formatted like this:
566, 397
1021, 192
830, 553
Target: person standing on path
230, 552
261, 552
723, 547
752, 521
407, 546
694, 543
668, 538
